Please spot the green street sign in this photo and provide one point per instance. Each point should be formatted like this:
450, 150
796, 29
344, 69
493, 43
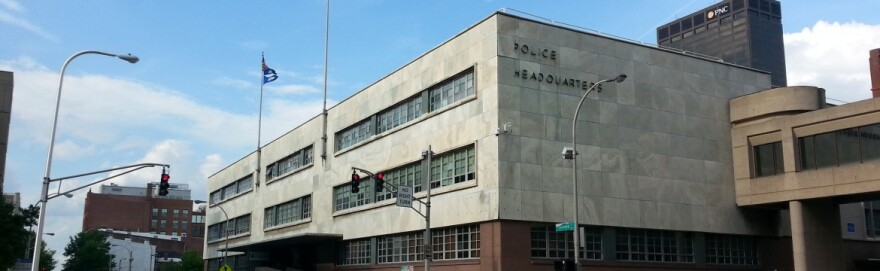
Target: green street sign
225, 267
565, 226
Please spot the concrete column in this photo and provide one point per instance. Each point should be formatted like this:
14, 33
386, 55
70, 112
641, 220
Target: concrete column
798, 248
815, 235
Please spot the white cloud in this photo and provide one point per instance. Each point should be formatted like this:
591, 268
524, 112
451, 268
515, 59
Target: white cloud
233, 83
833, 56
292, 89
12, 5
211, 164
22, 23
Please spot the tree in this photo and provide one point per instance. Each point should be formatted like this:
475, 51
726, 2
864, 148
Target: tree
13, 237
190, 261
88, 251
47, 258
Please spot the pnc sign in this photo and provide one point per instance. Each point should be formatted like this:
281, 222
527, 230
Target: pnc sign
712, 14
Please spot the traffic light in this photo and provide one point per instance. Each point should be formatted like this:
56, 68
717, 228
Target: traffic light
379, 182
355, 182
163, 183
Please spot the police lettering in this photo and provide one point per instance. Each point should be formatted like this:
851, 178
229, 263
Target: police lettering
531, 50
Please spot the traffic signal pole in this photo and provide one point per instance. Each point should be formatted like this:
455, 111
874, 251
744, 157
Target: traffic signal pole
427, 250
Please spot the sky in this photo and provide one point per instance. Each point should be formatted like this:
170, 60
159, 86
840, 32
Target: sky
193, 99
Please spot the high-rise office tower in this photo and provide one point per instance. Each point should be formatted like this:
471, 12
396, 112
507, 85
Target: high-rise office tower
874, 65
743, 32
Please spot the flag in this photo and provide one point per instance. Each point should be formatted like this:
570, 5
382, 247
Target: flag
269, 75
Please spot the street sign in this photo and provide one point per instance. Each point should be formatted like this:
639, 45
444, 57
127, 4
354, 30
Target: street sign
565, 226
407, 268
225, 267
404, 196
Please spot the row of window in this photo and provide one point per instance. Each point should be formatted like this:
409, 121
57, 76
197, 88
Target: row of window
163, 224
769, 9
644, 245
831, 149
446, 169
240, 186
291, 163
288, 212
232, 227
452, 243
432, 99
177, 212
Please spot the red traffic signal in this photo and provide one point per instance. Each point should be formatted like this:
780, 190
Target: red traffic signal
163, 183
379, 182
355, 183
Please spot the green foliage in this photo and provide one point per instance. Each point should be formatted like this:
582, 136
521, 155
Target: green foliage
190, 261
47, 258
13, 237
88, 251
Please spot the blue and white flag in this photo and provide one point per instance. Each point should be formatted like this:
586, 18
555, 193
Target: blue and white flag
269, 75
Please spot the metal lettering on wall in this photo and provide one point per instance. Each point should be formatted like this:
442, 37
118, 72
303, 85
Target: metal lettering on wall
534, 50
712, 14
547, 78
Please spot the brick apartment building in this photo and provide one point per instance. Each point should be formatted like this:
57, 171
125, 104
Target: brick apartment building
168, 222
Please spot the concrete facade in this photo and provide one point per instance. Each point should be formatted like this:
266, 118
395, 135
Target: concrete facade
655, 156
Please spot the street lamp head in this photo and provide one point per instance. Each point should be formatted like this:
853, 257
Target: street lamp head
130, 58
199, 201
620, 78
50, 233
68, 195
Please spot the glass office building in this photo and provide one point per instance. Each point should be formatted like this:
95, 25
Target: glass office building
743, 32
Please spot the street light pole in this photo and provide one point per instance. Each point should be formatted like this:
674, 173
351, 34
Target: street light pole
573, 157
226, 230
45, 191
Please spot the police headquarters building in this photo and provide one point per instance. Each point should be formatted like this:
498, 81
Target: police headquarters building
669, 176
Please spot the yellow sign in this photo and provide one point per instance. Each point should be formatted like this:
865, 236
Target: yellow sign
225, 267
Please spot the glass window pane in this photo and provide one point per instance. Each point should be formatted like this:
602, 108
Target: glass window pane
870, 140
807, 153
848, 146
826, 150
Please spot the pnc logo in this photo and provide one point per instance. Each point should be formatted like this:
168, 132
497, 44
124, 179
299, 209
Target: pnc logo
717, 12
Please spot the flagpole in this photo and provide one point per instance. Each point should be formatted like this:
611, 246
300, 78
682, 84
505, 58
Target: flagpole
259, 134
324, 111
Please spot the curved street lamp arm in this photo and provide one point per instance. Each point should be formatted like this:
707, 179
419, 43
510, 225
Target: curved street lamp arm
133, 168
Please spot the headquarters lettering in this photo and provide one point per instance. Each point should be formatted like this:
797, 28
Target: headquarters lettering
555, 79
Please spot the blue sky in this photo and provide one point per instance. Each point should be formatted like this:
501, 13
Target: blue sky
192, 100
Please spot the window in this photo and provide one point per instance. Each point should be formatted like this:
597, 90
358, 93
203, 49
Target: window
454, 167
356, 252
154, 223
443, 94
185, 213
236, 226
183, 225
449, 168
731, 249
654, 245
238, 187
451, 91
548, 243
174, 224
291, 163
399, 114
841, 147
162, 224
400, 248
198, 219
353, 135
344, 199
461, 242
164, 212
155, 212
409, 175
768, 159
288, 212
176, 213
